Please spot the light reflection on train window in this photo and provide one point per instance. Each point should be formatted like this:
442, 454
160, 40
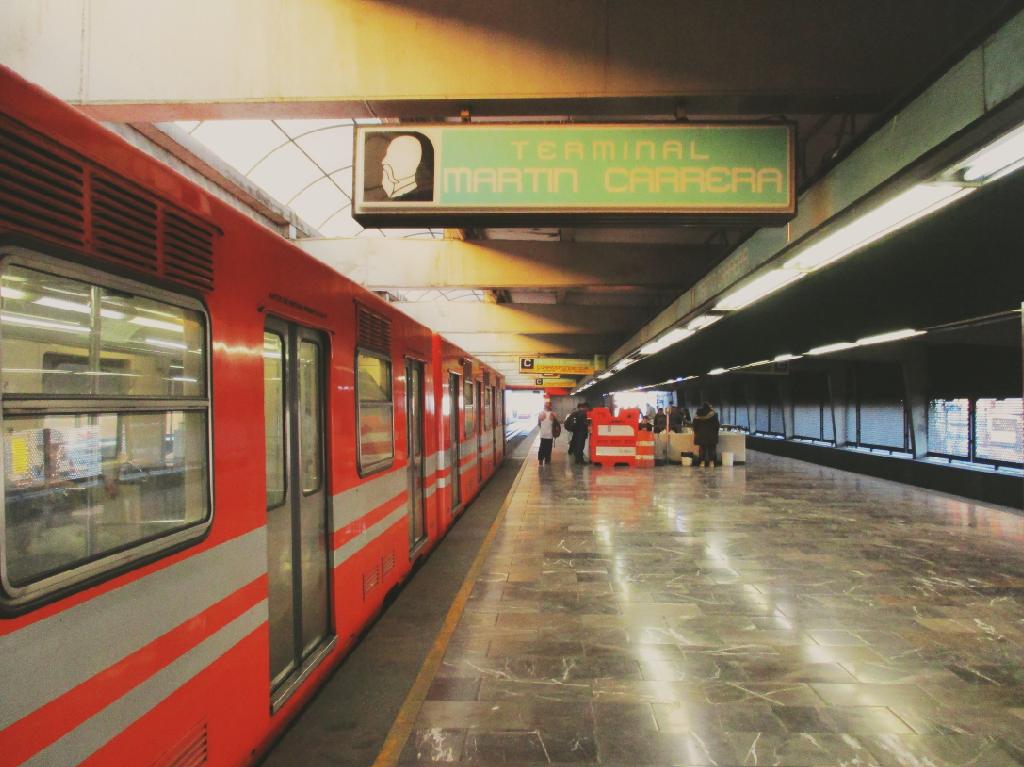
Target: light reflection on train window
77, 487
375, 411
105, 425
273, 417
52, 324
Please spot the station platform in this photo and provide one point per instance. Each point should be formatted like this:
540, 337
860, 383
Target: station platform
776, 613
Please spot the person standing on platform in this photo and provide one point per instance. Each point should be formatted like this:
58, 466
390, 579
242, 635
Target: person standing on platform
660, 421
675, 420
705, 434
579, 425
550, 428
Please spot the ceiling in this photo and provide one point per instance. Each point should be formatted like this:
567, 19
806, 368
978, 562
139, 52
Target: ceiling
836, 69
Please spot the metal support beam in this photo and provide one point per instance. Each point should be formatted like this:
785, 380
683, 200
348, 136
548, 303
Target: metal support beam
785, 385
503, 265
479, 317
357, 58
915, 397
839, 398
750, 390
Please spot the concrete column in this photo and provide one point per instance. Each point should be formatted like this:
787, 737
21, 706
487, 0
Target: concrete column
839, 397
785, 385
915, 398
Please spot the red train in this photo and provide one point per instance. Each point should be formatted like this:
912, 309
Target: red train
219, 456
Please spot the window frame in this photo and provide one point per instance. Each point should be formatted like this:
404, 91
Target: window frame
18, 599
275, 330
379, 466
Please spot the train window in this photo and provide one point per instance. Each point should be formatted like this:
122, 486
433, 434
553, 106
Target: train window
999, 430
273, 417
105, 424
66, 337
309, 415
375, 411
469, 410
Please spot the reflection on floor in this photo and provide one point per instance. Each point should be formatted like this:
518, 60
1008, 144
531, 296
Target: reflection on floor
775, 614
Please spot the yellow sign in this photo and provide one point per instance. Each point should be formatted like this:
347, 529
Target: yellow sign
564, 366
561, 383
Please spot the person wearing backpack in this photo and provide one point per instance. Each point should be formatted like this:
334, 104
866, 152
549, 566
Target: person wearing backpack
578, 424
550, 428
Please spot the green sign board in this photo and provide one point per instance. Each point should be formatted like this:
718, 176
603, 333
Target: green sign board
461, 174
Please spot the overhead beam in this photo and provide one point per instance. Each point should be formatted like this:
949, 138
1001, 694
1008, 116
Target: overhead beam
534, 344
476, 317
511, 264
123, 60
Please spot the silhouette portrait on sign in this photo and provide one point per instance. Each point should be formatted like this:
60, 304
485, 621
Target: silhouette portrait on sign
398, 166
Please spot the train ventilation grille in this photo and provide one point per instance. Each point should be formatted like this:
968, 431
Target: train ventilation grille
190, 751
374, 331
370, 581
188, 250
53, 194
388, 563
40, 191
123, 224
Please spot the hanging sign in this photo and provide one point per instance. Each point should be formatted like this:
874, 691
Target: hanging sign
560, 383
468, 174
545, 366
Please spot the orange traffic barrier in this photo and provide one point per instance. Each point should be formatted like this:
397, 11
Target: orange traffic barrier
613, 438
645, 449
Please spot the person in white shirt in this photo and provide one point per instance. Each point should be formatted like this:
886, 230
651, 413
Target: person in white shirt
548, 422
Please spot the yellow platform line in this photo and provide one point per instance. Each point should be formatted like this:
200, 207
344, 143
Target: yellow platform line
404, 722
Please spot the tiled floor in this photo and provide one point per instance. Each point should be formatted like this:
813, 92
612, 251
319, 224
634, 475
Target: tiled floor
773, 614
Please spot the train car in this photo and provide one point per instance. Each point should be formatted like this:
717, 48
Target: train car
219, 456
449, 371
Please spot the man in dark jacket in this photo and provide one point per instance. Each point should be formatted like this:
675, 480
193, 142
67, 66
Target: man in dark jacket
579, 425
705, 434
660, 421
675, 420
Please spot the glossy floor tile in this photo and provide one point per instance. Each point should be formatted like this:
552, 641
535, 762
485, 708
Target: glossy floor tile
777, 613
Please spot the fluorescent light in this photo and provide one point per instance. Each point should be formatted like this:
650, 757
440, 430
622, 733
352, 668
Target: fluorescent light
759, 288
828, 348
1001, 157
166, 344
14, 293
901, 210
161, 324
756, 364
786, 357
605, 375
673, 336
74, 306
32, 322
716, 372
703, 321
895, 335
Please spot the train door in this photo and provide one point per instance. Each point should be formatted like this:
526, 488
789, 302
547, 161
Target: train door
297, 495
495, 423
454, 454
414, 439
479, 438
